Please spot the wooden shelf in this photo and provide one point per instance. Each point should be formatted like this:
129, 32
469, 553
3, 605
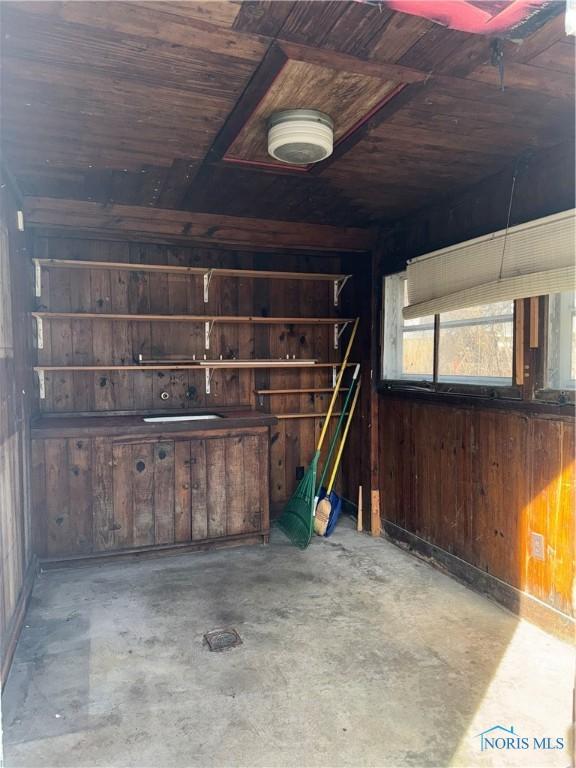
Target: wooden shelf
208, 366
339, 323
221, 319
198, 366
297, 391
216, 271
339, 280
282, 416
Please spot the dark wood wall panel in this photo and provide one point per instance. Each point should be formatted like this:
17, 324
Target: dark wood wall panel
478, 483
544, 185
97, 495
16, 560
119, 342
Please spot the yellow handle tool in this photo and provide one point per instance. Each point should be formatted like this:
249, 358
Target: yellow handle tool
324, 506
337, 386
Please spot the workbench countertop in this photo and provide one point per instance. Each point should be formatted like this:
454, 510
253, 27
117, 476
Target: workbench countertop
109, 425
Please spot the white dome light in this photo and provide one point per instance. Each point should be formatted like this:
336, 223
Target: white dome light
300, 136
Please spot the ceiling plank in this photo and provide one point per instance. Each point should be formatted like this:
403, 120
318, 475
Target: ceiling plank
263, 17
528, 78
310, 22
153, 23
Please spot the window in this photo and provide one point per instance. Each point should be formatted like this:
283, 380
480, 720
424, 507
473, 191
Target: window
475, 345
562, 340
409, 344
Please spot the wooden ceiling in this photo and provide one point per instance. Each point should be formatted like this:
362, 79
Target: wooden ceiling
139, 103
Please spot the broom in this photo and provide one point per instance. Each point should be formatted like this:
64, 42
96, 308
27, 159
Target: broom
328, 509
298, 516
321, 492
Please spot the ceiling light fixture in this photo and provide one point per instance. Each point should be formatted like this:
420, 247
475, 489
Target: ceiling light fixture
300, 136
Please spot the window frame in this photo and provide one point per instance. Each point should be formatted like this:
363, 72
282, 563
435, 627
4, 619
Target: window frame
489, 388
561, 315
544, 392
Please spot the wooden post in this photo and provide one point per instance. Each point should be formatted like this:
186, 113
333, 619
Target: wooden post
373, 426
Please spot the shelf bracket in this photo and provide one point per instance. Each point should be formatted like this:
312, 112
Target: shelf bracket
39, 333
37, 278
207, 281
42, 384
208, 325
338, 286
208, 372
334, 376
339, 329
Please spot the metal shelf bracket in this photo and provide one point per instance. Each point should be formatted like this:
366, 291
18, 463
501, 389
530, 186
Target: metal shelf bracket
339, 329
208, 326
338, 286
209, 372
42, 385
207, 281
37, 278
39, 333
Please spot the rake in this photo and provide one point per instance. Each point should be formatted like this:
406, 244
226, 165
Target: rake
297, 519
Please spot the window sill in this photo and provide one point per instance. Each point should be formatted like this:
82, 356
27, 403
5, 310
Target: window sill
559, 397
478, 396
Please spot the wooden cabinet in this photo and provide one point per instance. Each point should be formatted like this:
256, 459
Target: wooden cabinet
107, 494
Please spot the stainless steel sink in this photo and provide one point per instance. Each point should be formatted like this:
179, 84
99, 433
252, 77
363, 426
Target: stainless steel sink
199, 417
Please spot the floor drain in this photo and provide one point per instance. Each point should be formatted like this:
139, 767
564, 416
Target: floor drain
222, 639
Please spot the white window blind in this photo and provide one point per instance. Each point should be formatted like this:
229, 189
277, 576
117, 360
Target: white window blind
531, 259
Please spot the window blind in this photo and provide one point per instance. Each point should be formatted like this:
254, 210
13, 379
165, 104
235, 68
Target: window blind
531, 259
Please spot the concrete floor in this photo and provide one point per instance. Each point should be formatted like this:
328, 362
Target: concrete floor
355, 654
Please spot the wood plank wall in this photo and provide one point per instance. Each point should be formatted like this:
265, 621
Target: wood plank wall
16, 561
107, 342
478, 483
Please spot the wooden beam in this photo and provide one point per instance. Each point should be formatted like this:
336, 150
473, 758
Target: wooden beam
519, 343
134, 221
262, 80
534, 340
342, 61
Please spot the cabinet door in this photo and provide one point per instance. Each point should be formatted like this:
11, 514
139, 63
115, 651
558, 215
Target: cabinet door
229, 486
143, 496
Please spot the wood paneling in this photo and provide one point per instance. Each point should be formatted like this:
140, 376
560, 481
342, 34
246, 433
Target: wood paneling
478, 483
107, 342
100, 495
16, 558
